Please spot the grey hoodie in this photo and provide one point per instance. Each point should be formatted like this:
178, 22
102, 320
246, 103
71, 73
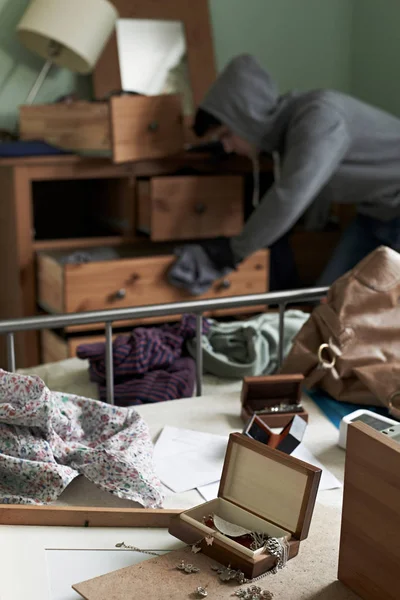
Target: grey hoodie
332, 147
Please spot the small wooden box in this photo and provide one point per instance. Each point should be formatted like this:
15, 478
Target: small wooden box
261, 490
192, 207
128, 128
270, 391
285, 441
369, 555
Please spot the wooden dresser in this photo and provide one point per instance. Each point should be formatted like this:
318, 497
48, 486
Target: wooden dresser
124, 221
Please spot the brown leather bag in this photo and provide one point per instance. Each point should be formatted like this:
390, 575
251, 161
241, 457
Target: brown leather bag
350, 346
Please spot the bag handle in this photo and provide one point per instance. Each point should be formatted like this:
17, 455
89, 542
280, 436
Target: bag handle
322, 362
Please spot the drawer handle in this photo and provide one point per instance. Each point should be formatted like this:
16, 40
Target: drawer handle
200, 208
133, 279
153, 126
225, 284
120, 294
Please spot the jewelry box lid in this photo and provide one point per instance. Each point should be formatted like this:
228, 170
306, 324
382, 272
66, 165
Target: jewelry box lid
270, 484
270, 386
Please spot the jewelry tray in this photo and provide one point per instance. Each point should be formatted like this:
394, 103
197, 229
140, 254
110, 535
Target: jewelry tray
259, 486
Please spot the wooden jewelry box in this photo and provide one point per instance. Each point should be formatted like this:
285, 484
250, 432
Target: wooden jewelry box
270, 392
285, 441
261, 490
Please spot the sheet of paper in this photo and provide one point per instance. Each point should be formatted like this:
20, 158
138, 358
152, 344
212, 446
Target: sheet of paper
328, 480
210, 491
186, 459
67, 567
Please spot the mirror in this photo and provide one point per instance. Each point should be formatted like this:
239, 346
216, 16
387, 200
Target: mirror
153, 58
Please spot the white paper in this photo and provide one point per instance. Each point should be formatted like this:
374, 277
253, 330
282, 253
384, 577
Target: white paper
328, 480
210, 491
186, 459
68, 567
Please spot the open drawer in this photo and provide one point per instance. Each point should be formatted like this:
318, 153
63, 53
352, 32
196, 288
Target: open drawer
191, 207
128, 128
132, 278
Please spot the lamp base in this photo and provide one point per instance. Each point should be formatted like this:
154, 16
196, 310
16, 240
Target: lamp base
39, 81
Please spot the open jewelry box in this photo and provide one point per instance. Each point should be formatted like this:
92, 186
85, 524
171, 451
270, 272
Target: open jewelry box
261, 490
274, 394
285, 441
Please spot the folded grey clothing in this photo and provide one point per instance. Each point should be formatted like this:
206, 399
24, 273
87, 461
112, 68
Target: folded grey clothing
194, 270
244, 348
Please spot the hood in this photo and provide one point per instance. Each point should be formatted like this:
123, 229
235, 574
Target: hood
246, 99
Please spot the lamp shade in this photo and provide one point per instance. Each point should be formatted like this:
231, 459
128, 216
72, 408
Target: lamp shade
80, 29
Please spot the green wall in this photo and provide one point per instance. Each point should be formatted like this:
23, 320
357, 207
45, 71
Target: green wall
349, 45
305, 43
376, 53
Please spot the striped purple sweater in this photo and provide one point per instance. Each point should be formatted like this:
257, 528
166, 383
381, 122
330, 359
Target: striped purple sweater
149, 364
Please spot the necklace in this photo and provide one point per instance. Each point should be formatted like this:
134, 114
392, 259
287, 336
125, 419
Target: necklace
153, 552
276, 547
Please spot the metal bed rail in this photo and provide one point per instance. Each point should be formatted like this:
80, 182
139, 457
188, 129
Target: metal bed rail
197, 307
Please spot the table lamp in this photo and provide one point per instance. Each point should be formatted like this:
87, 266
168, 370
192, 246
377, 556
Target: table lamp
67, 33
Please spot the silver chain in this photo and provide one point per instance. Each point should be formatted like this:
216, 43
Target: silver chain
276, 547
135, 549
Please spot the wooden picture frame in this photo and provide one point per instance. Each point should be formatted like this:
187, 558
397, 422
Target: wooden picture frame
84, 516
195, 17
25, 556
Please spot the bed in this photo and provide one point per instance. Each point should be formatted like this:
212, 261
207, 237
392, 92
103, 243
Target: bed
71, 375
216, 411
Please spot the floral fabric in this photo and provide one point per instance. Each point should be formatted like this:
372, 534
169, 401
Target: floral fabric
49, 438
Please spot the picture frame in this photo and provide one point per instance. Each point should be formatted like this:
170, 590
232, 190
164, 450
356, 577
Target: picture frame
27, 557
195, 17
84, 516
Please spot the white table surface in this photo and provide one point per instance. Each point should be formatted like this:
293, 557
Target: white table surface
215, 414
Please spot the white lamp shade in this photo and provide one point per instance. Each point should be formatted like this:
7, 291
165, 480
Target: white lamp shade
81, 28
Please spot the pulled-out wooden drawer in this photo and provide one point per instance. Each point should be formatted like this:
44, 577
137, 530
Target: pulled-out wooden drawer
132, 280
183, 208
54, 347
127, 128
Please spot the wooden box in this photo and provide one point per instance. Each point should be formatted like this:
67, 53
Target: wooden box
285, 441
261, 490
269, 392
369, 556
184, 208
127, 128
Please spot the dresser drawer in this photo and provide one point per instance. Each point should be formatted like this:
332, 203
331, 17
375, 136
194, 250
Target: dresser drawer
179, 208
55, 347
127, 128
132, 281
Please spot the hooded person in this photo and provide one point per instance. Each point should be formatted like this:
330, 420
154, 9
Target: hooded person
330, 147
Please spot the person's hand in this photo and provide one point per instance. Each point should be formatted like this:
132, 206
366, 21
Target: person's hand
194, 270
